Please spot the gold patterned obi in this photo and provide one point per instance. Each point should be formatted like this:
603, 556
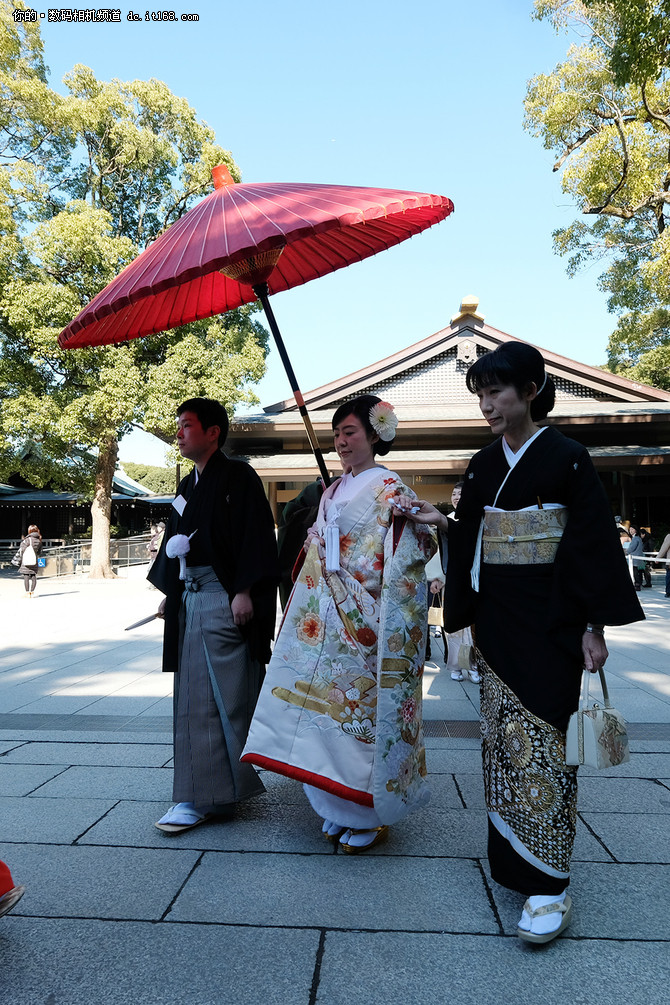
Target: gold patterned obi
522, 537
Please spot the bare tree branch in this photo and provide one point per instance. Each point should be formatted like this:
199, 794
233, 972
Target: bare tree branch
574, 146
655, 116
624, 173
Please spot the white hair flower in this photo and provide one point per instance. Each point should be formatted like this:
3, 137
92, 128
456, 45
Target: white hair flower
383, 420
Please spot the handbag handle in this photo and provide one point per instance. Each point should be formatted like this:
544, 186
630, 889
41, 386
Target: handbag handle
603, 684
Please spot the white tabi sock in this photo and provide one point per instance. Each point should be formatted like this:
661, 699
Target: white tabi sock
546, 922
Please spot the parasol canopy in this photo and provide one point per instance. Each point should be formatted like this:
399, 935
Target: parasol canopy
247, 241
310, 230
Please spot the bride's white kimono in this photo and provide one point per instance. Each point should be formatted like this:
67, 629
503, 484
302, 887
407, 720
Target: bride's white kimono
340, 708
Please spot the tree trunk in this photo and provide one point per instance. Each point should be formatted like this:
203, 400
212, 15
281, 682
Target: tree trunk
101, 509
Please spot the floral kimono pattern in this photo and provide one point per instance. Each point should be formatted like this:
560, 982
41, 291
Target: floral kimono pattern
341, 704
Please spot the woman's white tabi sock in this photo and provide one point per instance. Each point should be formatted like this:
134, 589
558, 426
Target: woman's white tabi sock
358, 840
330, 828
546, 922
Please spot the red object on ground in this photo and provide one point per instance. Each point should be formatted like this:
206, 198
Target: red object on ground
6, 881
281, 234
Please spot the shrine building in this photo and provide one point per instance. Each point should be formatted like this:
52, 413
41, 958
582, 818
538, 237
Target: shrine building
625, 425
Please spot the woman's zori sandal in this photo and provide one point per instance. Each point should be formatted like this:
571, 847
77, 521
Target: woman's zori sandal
375, 835
533, 912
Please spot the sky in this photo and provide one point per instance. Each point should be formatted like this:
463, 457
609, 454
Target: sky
426, 97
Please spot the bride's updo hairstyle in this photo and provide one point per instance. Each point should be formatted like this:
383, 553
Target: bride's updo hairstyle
360, 407
520, 365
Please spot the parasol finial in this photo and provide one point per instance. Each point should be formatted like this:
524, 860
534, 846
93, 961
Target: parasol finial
222, 176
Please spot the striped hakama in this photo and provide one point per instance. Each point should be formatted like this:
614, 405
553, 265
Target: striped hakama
215, 692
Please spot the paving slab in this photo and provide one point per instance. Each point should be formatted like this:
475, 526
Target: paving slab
113, 783
640, 706
471, 787
622, 795
650, 746
134, 963
21, 779
126, 735
455, 761
7, 745
337, 891
52, 821
588, 847
397, 969
439, 833
640, 766
449, 708
631, 838
450, 743
259, 826
444, 794
50, 704
162, 707
85, 882
611, 901
119, 705
141, 755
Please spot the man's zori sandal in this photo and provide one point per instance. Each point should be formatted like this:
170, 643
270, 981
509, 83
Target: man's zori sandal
377, 836
562, 907
180, 818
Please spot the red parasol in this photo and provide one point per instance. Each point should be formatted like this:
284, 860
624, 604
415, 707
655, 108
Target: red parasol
244, 242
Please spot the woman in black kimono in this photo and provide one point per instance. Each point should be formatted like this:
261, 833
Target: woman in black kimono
532, 516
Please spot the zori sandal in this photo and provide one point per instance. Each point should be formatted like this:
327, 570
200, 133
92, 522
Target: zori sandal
559, 907
9, 899
180, 818
380, 835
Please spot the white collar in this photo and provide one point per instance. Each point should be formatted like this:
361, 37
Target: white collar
513, 457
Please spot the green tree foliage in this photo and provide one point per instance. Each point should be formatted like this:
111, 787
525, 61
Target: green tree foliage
162, 481
605, 112
87, 179
640, 37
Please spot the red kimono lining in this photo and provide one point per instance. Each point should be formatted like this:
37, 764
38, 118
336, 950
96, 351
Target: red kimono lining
309, 777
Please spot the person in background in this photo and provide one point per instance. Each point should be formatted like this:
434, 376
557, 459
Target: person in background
296, 518
153, 547
664, 553
26, 558
621, 525
635, 551
218, 569
648, 545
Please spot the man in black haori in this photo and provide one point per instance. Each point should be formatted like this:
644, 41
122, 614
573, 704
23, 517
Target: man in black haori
217, 567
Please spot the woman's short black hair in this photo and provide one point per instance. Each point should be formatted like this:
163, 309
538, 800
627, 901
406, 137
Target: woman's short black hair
210, 412
520, 365
360, 407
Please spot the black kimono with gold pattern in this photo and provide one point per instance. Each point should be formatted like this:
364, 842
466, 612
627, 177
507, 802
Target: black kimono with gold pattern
529, 620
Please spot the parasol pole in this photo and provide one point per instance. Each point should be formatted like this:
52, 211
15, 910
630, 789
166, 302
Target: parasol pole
254, 271
262, 292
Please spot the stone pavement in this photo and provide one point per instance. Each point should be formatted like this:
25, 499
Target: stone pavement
262, 910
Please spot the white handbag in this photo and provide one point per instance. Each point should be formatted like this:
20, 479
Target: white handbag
596, 734
436, 611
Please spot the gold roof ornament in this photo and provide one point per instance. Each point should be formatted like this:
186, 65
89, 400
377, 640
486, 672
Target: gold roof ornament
469, 307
